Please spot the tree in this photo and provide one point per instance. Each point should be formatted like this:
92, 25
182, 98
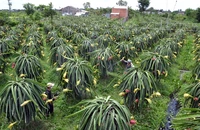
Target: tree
143, 4
122, 3
190, 13
45, 10
41, 7
86, 5
49, 12
29, 8
198, 15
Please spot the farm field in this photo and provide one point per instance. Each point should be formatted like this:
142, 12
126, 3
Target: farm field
83, 57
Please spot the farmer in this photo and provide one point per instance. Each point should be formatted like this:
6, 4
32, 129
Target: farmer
128, 63
49, 99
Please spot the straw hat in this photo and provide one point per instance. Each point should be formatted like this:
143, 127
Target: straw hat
50, 85
128, 60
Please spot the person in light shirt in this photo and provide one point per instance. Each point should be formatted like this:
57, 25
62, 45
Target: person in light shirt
128, 63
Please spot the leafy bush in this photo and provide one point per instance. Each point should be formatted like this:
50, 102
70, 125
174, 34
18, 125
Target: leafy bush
57, 42
5, 47
104, 60
21, 101
77, 76
104, 114
32, 48
58, 54
2, 64
51, 34
137, 86
103, 41
3, 18
125, 49
196, 71
86, 47
193, 99
189, 119
28, 66
155, 63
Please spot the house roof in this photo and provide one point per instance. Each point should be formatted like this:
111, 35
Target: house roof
84, 11
121, 7
114, 13
70, 7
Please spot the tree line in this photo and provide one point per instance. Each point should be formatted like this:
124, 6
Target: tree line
37, 12
193, 14
142, 4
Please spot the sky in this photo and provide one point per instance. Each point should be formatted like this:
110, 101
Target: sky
58, 4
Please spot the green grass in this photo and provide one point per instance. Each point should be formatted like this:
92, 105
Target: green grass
152, 116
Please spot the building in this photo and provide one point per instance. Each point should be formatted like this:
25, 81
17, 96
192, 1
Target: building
82, 13
119, 12
70, 10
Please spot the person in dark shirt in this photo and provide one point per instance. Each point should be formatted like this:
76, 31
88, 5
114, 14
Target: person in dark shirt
50, 99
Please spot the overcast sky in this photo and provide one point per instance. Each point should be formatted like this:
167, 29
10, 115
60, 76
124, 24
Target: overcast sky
156, 4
